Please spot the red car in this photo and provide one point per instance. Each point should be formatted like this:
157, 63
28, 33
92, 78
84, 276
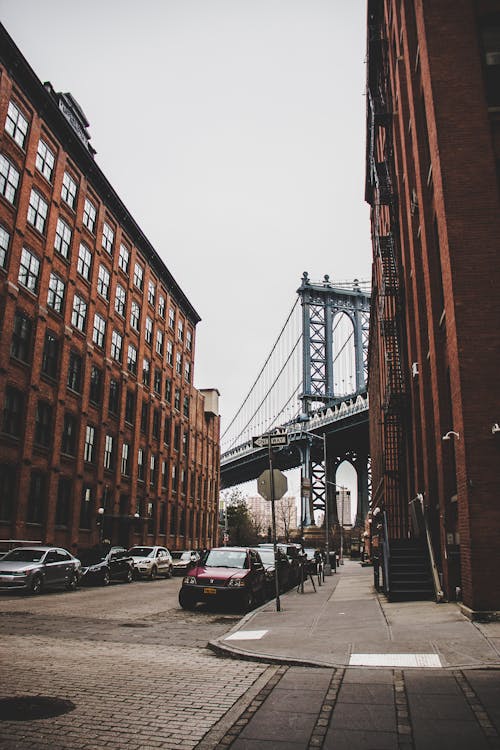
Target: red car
232, 575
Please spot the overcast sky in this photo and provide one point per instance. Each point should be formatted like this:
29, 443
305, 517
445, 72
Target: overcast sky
234, 132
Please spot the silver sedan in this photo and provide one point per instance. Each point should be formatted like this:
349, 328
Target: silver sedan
34, 568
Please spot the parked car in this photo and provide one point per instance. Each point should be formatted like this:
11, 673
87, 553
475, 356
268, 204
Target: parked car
151, 562
284, 569
232, 575
184, 560
294, 554
34, 568
103, 564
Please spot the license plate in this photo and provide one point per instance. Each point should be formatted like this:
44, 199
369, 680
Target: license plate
209, 591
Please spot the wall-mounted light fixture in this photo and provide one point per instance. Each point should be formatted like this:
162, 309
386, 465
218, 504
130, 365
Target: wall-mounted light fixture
451, 434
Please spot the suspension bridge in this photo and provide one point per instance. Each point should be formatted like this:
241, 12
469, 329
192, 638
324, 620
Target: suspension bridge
313, 387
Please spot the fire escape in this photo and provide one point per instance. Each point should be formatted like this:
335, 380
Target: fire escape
387, 302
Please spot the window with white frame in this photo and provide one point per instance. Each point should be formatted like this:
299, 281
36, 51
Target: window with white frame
120, 299
138, 276
103, 279
151, 292
4, 246
16, 124
132, 359
69, 190
45, 160
152, 470
140, 464
171, 317
29, 271
161, 306
189, 339
159, 342
135, 315
116, 346
178, 363
187, 371
124, 258
84, 261
99, 330
148, 331
108, 237
170, 353
79, 313
108, 452
55, 294
37, 211
146, 371
9, 179
180, 330
125, 465
62, 240
89, 215
88, 450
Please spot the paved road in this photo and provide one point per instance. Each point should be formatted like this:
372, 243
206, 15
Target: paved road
131, 661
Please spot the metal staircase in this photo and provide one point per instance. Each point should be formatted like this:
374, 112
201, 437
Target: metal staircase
410, 576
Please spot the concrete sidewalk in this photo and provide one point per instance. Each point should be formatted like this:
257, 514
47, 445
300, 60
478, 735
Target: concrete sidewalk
346, 623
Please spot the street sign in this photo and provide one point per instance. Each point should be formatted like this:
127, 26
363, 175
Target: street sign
264, 441
264, 484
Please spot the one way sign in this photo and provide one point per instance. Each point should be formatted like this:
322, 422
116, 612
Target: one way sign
264, 441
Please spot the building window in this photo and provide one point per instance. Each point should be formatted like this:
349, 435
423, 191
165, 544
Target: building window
69, 435
163, 514
35, 511
50, 355
103, 282
185, 406
84, 261
16, 124
171, 317
120, 300
55, 294
177, 437
164, 475
170, 353
108, 452
108, 237
99, 330
144, 416
148, 332
9, 179
180, 330
175, 478
185, 443
114, 396
166, 430
125, 465
20, 346
37, 211
157, 381
116, 346
156, 424
74, 381
140, 464
187, 372
4, 246
146, 371
95, 394
178, 363
89, 447
177, 399
130, 407
13, 412
63, 503
86, 509
189, 340
89, 215
29, 271
161, 306
151, 293
62, 240
138, 276
152, 470
168, 390
132, 359
69, 190
7, 491
159, 342
79, 313
45, 160
135, 315
124, 258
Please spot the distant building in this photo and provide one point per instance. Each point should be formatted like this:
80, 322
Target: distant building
102, 434
344, 510
285, 512
433, 184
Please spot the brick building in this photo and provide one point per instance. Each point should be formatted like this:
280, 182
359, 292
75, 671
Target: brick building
433, 156
102, 432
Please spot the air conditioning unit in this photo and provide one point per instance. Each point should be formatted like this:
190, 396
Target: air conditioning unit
414, 369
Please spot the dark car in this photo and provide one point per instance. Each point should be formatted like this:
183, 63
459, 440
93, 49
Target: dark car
284, 569
183, 560
231, 575
34, 568
294, 555
102, 565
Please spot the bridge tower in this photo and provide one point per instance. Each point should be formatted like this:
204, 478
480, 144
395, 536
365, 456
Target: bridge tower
326, 307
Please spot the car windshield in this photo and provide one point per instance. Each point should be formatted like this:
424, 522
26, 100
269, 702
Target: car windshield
267, 556
25, 555
222, 558
91, 556
181, 556
141, 552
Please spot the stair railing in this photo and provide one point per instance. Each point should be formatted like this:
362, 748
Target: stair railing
386, 553
420, 528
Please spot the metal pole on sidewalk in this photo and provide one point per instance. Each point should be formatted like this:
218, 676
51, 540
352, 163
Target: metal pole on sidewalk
328, 567
273, 513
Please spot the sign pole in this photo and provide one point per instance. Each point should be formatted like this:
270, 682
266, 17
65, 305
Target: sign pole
273, 512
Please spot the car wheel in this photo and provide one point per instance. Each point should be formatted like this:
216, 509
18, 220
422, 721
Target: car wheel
129, 576
153, 573
248, 601
72, 583
36, 585
186, 600
105, 577
169, 572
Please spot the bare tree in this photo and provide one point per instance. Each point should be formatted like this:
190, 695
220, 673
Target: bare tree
286, 516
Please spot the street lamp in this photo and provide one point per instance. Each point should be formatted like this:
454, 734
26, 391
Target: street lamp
100, 523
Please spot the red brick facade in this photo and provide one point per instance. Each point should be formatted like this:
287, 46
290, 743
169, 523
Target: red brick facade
102, 433
433, 156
